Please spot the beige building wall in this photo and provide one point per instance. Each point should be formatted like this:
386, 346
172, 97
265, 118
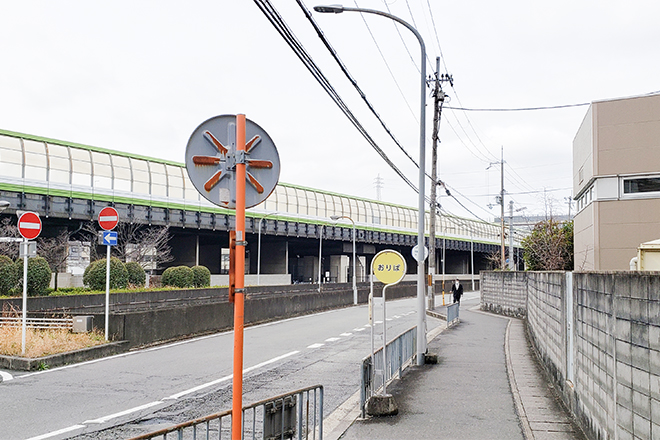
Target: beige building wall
618, 140
583, 169
584, 240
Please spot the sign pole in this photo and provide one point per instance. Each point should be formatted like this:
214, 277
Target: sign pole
108, 219
29, 226
25, 277
236, 177
237, 395
389, 267
107, 291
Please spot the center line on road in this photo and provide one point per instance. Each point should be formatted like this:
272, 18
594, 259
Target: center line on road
359, 329
56, 433
225, 378
332, 339
123, 413
317, 345
346, 334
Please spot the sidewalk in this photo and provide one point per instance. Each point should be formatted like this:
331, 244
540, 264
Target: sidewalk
486, 385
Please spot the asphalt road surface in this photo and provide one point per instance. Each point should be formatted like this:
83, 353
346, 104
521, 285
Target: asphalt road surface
146, 390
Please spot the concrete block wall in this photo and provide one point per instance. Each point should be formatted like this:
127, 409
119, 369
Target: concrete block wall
547, 321
598, 336
504, 292
595, 382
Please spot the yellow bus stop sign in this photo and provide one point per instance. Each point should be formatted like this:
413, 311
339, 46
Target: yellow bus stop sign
388, 266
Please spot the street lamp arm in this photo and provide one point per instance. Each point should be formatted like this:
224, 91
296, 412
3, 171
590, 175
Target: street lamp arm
338, 9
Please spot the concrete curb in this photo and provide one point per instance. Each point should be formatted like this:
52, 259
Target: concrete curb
57, 360
520, 409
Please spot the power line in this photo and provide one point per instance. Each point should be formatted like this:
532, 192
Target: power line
521, 109
280, 25
373, 38
344, 69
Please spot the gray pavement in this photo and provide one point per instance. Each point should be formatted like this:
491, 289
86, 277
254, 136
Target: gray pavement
486, 385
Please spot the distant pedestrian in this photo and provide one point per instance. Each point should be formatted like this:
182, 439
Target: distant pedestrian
457, 290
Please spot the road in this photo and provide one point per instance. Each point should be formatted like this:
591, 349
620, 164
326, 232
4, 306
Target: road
145, 390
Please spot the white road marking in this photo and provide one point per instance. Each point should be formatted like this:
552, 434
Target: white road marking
225, 378
123, 413
346, 334
58, 432
361, 329
5, 376
173, 344
316, 345
332, 339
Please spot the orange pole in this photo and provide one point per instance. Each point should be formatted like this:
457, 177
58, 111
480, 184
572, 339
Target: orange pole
237, 392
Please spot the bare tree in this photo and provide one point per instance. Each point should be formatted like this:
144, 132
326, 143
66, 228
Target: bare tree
494, 260
55, 250
9, 230
90, 233
149, 247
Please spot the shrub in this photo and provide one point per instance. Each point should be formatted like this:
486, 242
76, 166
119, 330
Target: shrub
178, 276
201, 276
38, 275
136, 274
8, 275
94, 276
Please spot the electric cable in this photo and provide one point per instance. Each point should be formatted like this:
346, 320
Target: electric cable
280, 25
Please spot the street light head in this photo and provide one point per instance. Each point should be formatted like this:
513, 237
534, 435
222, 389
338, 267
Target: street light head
334, 9
335, 217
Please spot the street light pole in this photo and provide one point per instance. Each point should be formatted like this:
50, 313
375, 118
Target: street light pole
355, 292
421, 309
259, 247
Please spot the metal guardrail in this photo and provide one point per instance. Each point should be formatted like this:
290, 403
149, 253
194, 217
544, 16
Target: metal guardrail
400, 353
38, 323
295, 415
452, 314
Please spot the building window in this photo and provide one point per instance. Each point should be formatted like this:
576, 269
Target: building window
641, 185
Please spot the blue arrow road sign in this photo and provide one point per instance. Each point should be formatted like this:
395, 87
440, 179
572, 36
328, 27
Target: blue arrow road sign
110, 238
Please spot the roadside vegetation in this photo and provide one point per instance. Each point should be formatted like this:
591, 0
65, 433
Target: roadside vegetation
39, 343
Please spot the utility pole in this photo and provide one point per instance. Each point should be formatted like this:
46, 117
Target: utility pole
439, 99
501, 202
502, 206
511, 262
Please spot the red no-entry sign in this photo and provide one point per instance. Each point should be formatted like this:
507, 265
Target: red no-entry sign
108, 218
29, 225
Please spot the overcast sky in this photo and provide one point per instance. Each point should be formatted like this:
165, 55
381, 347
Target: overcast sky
140, 76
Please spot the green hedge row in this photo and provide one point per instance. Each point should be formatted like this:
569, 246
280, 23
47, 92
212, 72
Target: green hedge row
11, 276
185, 277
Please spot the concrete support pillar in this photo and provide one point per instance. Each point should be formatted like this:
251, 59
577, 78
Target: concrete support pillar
339, 265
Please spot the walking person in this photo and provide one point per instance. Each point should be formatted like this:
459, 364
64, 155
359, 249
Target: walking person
457, 290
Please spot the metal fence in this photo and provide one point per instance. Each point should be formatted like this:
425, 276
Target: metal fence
295, 415
452, 314
400, 353
39, 323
